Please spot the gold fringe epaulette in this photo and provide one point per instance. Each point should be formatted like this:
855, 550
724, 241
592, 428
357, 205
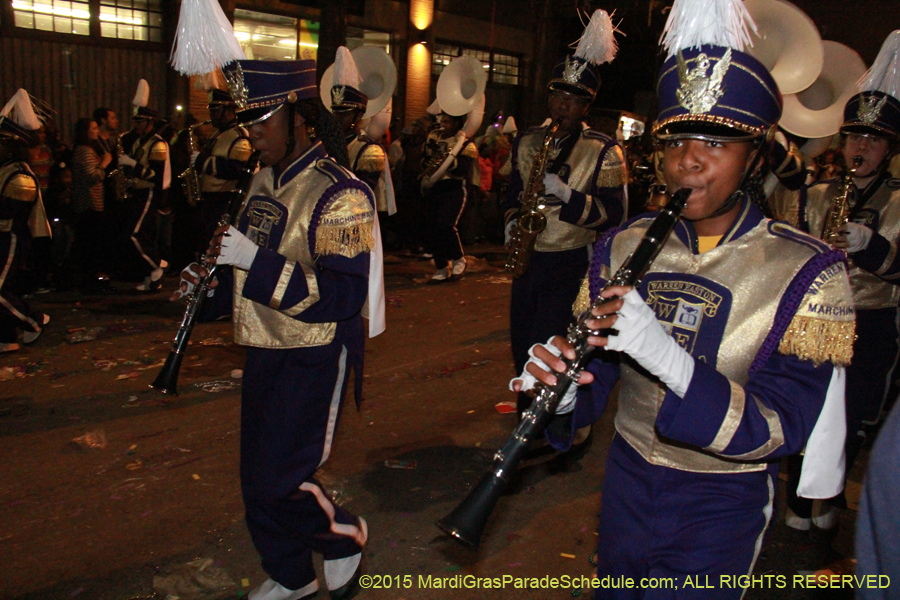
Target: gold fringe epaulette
583, 300
240, 150
819, 340
371, 160
21, 187
345, 241
159, 151
347, 225
613, 172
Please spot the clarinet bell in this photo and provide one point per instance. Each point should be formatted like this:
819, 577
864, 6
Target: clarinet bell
167, 379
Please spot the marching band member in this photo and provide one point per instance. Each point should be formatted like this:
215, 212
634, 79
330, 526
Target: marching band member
729, 354
582, 192
147, 153
301, 258
871, 132
22, 218
219, 164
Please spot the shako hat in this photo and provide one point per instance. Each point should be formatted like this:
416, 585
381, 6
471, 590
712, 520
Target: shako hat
876, 109
18, 119
708, 87
261, 87
578, 73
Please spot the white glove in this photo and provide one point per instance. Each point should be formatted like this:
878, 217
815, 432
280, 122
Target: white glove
508, 231
643, 338
126, 160
237, 250
858, 236
191, 269
194, 156
528, 381
554, 186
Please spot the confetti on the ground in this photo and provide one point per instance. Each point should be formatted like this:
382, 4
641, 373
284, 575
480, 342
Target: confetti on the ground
505, 408
195, 477
564, 555
453, 568
409, 465
245, 582
129, 375
217, 386
469, 412
237, 373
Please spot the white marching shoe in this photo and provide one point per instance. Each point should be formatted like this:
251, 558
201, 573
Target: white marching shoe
272, 590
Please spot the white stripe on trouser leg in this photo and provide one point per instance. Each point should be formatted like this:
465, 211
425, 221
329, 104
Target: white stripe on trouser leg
359, 534
3, 301
767, 512
336, 399
338, 572
137, 228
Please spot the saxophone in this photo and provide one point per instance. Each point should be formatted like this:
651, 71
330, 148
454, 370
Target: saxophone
839, 211
120, 179
530, 222
190, 178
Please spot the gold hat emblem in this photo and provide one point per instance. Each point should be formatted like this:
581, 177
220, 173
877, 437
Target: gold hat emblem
698, 92
870, 109
337, 95
239, 92
572, 71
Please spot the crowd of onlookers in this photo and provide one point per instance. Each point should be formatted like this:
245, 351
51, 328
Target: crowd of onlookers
85, 214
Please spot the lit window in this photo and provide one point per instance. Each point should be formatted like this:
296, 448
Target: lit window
266, 37
501, 68
53, 15
131, 19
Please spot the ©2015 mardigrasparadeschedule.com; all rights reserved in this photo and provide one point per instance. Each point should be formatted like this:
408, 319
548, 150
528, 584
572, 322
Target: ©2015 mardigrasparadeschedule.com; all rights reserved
548, 582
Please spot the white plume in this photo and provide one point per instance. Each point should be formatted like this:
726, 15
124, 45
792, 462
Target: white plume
510, 125
598, 44
20, 111
884, 75
693, 23
345, 72
142, 95
204, 40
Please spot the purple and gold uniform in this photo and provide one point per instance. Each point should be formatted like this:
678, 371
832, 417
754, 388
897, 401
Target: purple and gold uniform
22, 218
446, 199
367, 159
151, 176
219, 166
597, 173
875, 279
690, 481
297, 310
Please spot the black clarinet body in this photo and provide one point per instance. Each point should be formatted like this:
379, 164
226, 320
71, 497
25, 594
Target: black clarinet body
167, 379
467, 521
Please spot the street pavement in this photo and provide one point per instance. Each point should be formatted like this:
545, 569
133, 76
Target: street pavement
110, 490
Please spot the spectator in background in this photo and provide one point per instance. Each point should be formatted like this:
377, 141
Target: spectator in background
89, 164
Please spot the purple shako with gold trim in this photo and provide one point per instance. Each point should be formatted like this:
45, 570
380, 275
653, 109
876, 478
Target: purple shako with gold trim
261, 87
716, 93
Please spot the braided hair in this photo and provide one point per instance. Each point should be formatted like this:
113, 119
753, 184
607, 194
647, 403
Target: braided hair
322, 125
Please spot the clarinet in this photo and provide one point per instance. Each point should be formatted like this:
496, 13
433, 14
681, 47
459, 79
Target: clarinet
167, 380
467, 521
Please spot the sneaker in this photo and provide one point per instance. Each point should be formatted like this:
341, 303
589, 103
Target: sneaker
826, 517
795, 522
149, 285
458, 267
29, 337
9, 347
440, 276
272, 590
342, 575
